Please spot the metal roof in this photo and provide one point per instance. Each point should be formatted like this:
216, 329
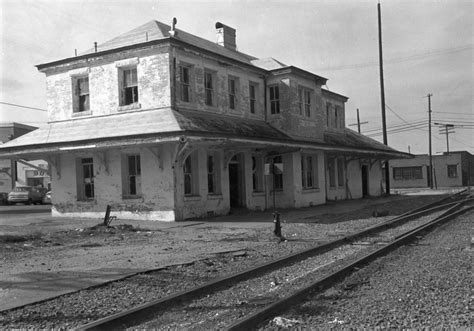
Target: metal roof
164, 124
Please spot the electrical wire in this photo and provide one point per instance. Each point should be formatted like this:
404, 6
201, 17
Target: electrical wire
20, 106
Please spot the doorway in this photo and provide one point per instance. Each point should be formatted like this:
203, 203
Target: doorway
235, 182
365, 181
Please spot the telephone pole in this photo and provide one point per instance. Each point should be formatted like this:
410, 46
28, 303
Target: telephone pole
446, 129
358, 122
382, 97
429, 140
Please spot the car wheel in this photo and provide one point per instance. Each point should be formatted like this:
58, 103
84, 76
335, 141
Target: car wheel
29, 202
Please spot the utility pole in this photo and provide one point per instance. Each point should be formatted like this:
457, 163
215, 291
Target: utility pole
429, 140
358, 122
382, 97
448, 128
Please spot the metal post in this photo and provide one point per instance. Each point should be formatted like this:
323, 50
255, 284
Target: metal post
429, 133
382, 98
358, 120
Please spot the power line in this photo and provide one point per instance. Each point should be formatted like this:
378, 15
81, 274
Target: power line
451, 113
20, 106
412, 57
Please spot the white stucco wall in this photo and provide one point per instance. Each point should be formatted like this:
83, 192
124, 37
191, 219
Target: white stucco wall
155, 203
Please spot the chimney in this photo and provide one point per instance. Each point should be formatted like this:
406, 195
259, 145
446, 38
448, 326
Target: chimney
225, 36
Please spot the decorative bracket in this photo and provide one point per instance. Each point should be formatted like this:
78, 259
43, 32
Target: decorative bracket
157, 153
55, 161
103, 160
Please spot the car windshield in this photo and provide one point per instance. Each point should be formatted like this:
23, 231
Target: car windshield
21, 189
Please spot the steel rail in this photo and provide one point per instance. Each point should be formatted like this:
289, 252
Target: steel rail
128, 317
252, 321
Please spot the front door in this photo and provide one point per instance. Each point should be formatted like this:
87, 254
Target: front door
235, 182
365, 180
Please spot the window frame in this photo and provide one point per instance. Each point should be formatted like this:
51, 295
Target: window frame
451, 173
209, 88
136, 191
407, 173
232, 83
85, 185
331, 168
185, 83
307, 102
129, 92
328, 114
213, 174
190, 168
274, 98
253, 98
79, 94
309, 174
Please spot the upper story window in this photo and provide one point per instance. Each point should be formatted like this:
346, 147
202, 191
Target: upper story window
231, 87
307, 103
184, 81
209, 83
129, 90
274, 99
81, 94
253, 97
328, 114
304, 101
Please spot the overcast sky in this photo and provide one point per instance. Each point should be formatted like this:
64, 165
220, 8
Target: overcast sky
427, 45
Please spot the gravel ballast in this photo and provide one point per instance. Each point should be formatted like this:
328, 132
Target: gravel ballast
427, 284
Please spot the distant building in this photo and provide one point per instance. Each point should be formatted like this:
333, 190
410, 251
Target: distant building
162, 124
12, 172
449, 170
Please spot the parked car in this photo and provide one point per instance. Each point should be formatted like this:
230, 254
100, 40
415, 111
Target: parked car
47, 198
3, 198
26, 194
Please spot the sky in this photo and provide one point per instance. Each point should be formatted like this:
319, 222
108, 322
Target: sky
427, 49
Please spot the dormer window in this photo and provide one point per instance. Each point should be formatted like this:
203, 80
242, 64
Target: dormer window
81, 94
129, 91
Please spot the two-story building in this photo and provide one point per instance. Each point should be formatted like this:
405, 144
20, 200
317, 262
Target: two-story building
164, 125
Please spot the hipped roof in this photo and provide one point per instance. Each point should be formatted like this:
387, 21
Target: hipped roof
157, 125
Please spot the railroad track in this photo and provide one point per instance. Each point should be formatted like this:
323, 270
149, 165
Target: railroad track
223, 301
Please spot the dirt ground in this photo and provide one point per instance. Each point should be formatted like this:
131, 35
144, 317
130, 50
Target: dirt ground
40, 260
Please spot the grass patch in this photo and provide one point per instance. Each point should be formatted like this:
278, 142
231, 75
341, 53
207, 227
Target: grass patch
18, 238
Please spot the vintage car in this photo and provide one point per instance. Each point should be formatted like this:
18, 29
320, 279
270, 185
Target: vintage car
26, 194
47, 198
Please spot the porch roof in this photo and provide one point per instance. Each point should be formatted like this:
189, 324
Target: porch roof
164, 125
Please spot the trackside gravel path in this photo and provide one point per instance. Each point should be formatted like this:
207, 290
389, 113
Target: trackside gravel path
425, 285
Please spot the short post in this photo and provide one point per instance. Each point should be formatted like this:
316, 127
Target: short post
276, 221
107, 216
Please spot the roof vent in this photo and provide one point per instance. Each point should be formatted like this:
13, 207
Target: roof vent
225, 36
